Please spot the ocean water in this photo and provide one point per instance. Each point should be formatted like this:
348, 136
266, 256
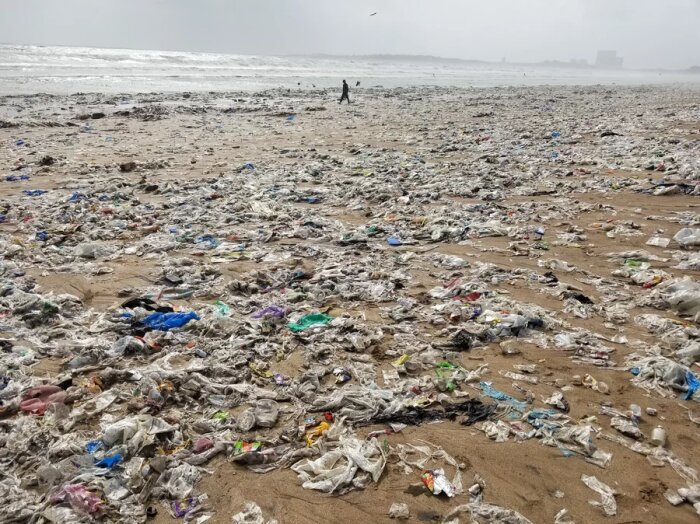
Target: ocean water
64, 70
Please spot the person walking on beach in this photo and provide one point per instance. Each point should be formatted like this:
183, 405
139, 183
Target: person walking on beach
346, 93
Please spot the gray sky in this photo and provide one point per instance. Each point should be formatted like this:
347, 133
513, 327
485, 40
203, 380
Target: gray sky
647, 33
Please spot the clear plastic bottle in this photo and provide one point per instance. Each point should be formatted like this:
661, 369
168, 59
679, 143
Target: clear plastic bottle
658, 436
636, 411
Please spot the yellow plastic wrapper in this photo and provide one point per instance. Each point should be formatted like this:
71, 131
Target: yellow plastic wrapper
316, 432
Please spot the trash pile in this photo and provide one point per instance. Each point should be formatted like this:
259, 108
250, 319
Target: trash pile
318, 311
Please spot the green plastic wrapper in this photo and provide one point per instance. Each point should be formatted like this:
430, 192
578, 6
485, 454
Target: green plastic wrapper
308, 321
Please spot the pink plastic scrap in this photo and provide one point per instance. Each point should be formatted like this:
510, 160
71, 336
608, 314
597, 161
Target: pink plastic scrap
79, 497
202, 444
36, 400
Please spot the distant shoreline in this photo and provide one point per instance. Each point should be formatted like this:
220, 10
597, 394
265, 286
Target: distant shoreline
65, 70
388, 57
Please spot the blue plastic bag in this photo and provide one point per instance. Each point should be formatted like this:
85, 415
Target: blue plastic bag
209, 240
34, 192
93, 446
77, 195
109, 462
15, 178
495, 394
693, 385
167, 321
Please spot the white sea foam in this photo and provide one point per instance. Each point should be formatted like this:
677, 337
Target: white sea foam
60, 70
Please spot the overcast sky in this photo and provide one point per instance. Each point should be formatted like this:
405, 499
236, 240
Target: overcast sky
647, 33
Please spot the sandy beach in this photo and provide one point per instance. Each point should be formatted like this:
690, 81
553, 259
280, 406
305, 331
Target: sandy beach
535, 201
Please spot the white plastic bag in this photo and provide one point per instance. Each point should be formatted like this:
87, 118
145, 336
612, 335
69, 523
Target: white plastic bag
688, 237
607, 495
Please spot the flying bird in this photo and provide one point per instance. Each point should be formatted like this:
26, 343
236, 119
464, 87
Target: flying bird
373, 14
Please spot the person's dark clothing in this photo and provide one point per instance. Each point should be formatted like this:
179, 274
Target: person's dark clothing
346, 92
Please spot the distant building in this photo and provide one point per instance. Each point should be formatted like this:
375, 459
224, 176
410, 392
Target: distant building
608, 60
579, 62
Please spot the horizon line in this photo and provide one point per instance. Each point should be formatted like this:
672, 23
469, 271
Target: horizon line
586, 64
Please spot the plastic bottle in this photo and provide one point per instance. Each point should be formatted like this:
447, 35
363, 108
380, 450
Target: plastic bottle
636, 411
658, 436
155, 396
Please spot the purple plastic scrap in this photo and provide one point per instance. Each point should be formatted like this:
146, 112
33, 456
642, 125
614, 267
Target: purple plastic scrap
270, 311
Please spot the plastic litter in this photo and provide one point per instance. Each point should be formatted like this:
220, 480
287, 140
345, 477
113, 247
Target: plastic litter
688, 237
308, 321
437, 483
563, 517
658, 242
168, 321
477, 511
626, 427
354, 464
183, 507
35, 401
399, 510
682, 296
80, 499
34, 192
257, 313
607, 495
251, 514
658, 436
270, 311
109, 462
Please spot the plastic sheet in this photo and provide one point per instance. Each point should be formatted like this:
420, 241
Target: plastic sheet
168, 321
607, 495
307, 321
251, 514
487, 513
353, 465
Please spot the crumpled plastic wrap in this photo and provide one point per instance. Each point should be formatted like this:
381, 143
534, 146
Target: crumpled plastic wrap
18, 505
399, 510
179, 481
135, 432
663, 375
484, 513
607, 495
251, 514
354, 464
680, 295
